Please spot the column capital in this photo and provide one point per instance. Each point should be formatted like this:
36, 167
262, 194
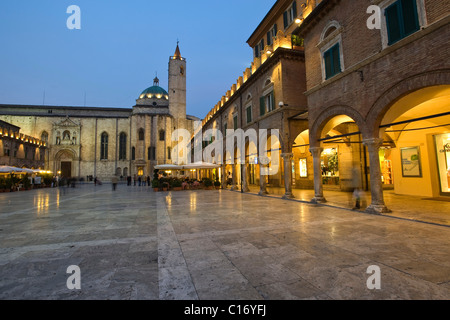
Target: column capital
316, 151
373, 142
287, 156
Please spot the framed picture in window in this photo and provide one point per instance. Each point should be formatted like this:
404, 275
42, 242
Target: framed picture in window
411, 166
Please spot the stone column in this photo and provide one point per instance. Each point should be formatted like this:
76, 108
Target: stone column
318, 187
376, 186
245, 182
233, 173
287, 157
262, 180
224, 176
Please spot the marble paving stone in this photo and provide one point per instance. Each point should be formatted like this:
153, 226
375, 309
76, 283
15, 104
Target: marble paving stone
297, 289
262, 269
135, 244
229, 292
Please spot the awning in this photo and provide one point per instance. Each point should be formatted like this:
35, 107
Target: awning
201, 165
195, 165
9, 169
168, 167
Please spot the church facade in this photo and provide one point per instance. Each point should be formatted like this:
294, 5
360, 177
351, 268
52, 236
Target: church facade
105, 142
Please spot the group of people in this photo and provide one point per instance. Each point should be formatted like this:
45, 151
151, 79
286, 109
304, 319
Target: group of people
137, 181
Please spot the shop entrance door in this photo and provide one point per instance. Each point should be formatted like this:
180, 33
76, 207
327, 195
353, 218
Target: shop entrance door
442, 142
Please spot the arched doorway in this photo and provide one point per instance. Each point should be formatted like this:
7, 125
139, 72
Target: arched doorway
64, 163
418, 124
340, 157
344, 160
302, 170
251, 159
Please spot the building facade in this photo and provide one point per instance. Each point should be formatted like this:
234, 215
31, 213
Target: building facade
379, 99
356, 107
105, 142
20, 150
268, 96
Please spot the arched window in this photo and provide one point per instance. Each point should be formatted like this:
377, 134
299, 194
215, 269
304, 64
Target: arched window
331, 50
44, 136
123, 146
104, 146
66, 135
162, 135
141, 134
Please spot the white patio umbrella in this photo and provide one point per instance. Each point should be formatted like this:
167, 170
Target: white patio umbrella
9, 169
26, 170
168, 167
201, 165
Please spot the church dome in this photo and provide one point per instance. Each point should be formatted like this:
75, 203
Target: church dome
154, 92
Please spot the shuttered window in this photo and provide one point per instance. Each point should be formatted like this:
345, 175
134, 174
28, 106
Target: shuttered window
262, 106
332, 61
401, 19
271, 34
290, 14
266, 103
249, 114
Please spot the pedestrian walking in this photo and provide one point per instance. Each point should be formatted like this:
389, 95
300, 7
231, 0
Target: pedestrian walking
114, 181
63, 185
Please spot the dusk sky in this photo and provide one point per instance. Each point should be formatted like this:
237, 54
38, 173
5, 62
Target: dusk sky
120, 48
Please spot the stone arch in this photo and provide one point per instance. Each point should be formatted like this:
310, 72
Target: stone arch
66, 153
400, 90
331, 27
141, 134
320, 122
65, 162
268, 82
44, 136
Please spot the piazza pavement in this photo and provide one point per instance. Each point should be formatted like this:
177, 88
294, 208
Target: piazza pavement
136, 244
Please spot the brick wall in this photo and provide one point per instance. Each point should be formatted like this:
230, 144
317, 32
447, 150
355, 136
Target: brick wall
436, 9
423, 52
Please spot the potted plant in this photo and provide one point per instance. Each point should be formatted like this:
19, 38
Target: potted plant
48, 179
176, 185
26, 183
2, 185
217, 184
155, 185
297, 42
13, 182
208, 183
165, 185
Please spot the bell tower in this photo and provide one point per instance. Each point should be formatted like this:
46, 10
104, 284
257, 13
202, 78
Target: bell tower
177, 85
